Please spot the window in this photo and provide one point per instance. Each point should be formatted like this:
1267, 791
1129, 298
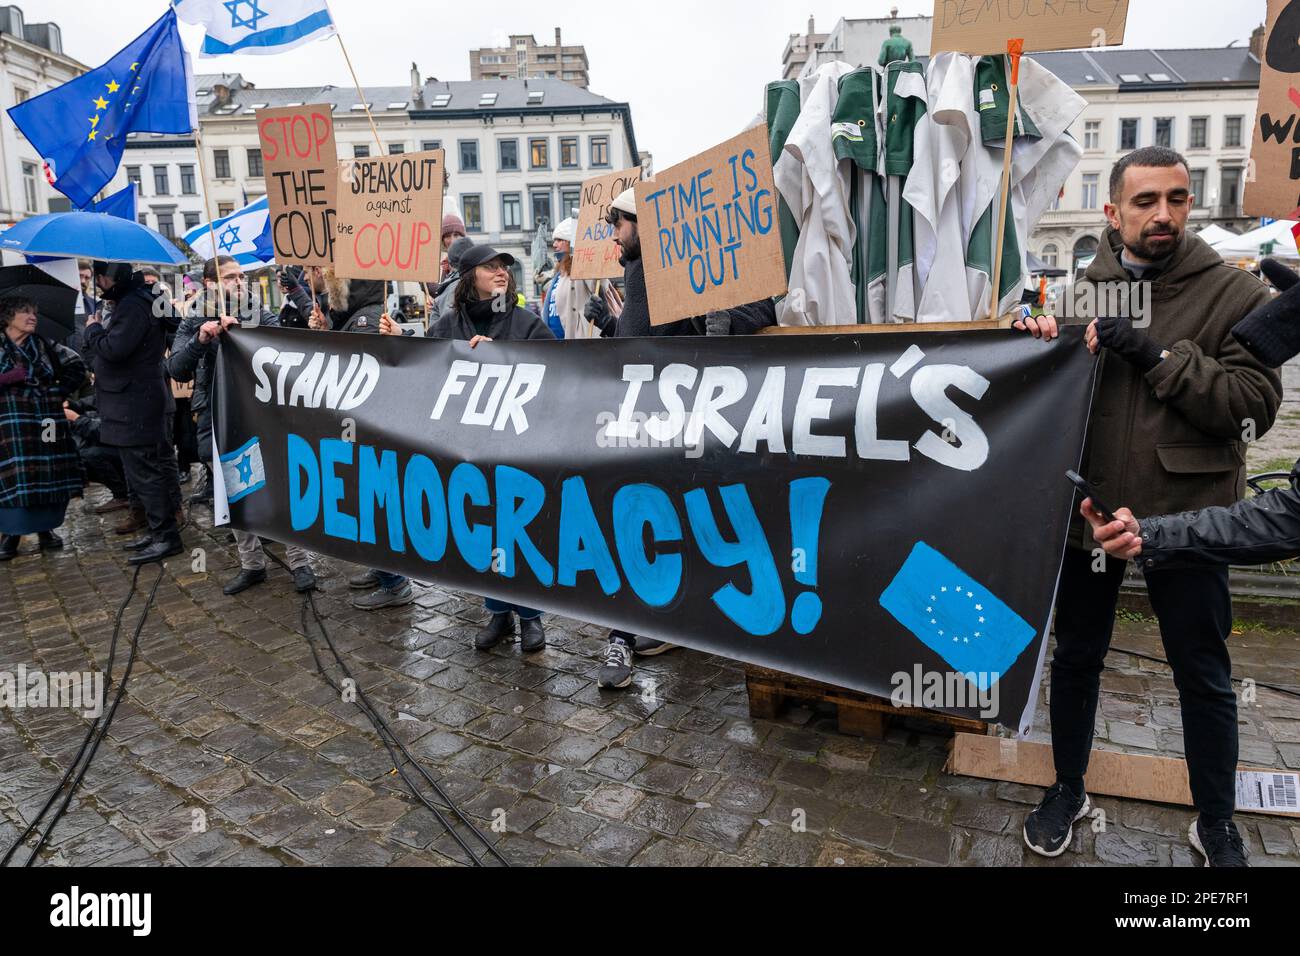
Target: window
161, 187
361, 151
187, 181
512, 212
167, 224
1231, 132
1128, 134
396, 149
1051, 255
535, 97
1165, 132
487, 99
471, 210
541, 203
539, 154
440, 100
569, 152
142, 219
429, 145
600, 151
508, 155
133, 176
224, 209
1198, 189
255, 170
570, 201
191, 220
1230, 191
1199, 137
1084, 249
1091, 183
29, 187
20, 96
221, 163
469, 156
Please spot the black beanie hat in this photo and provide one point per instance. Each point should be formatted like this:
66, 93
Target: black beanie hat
1272, 332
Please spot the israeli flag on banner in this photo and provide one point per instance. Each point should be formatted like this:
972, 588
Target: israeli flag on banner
238, 236
956, 617
242, 471
256, 26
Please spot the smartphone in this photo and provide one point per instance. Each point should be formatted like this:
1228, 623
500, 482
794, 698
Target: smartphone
1086, 490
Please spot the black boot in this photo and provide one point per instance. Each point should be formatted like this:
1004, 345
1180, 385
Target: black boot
139, 544
247, 578
532, 635
9, 546
495, 631
163, 547
50, 541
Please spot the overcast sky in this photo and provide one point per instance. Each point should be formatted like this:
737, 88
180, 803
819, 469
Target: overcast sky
692, 70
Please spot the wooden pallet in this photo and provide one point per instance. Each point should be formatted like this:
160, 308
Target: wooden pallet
861, 715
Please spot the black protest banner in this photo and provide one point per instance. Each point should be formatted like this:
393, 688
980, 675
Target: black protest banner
884, 512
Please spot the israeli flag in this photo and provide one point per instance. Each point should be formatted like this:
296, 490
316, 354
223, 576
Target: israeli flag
242, 471
256, 26
239, 235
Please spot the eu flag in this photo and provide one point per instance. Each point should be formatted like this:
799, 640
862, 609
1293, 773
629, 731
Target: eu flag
80, 128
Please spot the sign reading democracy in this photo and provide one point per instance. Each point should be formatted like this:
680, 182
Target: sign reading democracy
389, 217
832, 506
1274, 188
301, 164
985, 26
708, 229
595, 254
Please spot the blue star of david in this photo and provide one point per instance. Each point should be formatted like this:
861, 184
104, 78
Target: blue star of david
229, 237
255, 13
245, 468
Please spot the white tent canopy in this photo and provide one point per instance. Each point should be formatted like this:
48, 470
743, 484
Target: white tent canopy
1213, 234
1253, 244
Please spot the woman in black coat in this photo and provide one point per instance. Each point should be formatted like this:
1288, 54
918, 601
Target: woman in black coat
484, 309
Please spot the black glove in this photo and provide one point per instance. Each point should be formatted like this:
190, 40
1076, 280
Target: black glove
1128, 343
717, 323
596, 311
1272, 332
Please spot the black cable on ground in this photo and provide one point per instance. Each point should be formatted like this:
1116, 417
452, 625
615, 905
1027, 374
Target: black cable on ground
1288, 691
98, 728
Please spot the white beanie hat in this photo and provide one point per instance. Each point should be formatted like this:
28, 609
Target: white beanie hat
567, 230
626, 202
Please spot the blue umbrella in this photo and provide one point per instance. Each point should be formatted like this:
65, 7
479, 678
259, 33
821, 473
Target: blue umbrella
91, 235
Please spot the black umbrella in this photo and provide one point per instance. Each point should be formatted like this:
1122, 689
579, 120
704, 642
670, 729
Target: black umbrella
56, 303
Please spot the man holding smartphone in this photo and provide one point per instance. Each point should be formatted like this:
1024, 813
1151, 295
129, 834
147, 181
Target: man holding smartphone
1176, 399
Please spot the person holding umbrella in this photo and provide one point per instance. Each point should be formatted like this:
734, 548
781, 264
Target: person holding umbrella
40, 471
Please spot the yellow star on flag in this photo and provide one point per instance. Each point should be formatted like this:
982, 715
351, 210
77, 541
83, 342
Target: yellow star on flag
135, 66
94, 121
93, 134
113, 86
101, 103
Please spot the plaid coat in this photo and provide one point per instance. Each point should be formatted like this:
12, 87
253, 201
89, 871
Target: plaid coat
35, 472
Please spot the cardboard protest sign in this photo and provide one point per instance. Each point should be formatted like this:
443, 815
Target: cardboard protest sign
985, 26
595, 255
301, 164
1273, 186
708, 228
390, 217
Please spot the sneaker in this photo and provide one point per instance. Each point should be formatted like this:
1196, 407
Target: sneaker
1220, 844
1049, 828
382, 597
649, 647
616, 672
366, 581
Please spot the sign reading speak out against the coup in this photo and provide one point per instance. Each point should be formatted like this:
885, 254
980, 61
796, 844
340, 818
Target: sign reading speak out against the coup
301, 164
390, 217
595, 254
985, 26
709, 232
1274, 188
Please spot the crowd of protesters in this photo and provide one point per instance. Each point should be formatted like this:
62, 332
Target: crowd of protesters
134, 393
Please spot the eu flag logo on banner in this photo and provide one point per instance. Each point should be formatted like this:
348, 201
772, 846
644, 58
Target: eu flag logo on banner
243, 471
80, 128
956, 617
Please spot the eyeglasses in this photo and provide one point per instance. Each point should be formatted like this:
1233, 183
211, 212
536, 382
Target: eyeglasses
495, 266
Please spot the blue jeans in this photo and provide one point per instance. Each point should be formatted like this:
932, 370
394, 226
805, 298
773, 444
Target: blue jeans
390, 582
500, 607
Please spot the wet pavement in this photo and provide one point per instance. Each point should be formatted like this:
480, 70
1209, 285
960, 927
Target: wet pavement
230, 750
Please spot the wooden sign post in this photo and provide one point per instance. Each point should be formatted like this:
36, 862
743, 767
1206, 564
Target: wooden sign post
301, 165
389, 218
1273, 179
709, 232
595, 254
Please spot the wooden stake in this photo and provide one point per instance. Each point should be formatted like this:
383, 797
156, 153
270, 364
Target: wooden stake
207, 208
1015, 48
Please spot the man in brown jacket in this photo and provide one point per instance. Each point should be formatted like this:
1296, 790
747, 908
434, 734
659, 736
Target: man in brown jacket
1176, 402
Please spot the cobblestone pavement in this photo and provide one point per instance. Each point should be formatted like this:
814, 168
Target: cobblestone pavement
226, 715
